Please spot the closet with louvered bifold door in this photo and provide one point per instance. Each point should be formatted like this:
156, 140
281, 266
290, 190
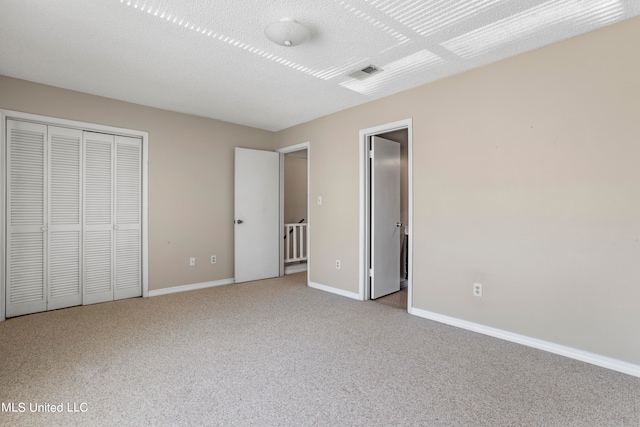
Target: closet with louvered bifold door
73, 217
112, 217
43, 217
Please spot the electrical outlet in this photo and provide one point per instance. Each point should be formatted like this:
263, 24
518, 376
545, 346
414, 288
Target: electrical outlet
477, 289
192, 261
337, 264
213, 259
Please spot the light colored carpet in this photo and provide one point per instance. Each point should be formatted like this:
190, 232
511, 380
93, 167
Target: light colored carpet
276, 352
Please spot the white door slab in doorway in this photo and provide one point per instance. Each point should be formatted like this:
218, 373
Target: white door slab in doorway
385, 217
257, 215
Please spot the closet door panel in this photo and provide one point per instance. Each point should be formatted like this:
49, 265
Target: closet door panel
128, 185
64, 269
98, 271
26, 273
128, 283
65, 212
98, 218
26, 218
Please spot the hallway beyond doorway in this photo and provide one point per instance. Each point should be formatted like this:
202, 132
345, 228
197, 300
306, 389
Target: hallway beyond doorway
396, 299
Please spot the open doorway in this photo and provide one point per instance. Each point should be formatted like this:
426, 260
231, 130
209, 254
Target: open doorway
385, 223
294, 208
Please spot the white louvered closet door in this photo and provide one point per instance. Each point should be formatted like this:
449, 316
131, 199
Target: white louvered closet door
26, 218
98, 217
74, 216
65, 213
128, 179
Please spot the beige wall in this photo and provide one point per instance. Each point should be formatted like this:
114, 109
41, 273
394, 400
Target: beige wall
526, 179
190, 175
295, 189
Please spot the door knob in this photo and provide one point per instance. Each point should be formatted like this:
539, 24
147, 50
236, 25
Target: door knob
240, 221
398, 224
116, 227
44, 228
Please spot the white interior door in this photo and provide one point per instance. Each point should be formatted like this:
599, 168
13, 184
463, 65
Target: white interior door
385, 217
257, 215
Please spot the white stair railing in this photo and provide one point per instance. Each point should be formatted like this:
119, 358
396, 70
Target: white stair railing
295, 242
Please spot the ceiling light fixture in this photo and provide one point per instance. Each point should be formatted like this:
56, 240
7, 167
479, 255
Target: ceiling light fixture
287, 32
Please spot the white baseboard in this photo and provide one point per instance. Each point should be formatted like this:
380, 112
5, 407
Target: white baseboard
192, 287
295, 268
581, 355
341, 292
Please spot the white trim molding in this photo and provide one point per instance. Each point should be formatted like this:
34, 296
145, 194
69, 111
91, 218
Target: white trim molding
572, 353
192, 287
341, 292
294, 148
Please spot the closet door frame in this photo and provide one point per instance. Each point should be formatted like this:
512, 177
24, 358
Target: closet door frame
92, 127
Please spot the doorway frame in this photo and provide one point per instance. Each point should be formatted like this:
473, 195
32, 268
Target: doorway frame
85, 126
365, 237
284, 151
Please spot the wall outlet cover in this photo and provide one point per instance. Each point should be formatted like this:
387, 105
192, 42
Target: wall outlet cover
477, 289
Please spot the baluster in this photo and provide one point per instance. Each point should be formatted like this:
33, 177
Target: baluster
295, 245
301, 241
288, 257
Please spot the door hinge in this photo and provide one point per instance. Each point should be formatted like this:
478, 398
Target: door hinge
371, 154
371, 272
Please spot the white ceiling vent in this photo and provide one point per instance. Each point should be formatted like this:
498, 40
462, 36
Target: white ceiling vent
364, 73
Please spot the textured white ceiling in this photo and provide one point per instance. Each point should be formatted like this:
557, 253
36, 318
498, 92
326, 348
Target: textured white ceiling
211, 59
